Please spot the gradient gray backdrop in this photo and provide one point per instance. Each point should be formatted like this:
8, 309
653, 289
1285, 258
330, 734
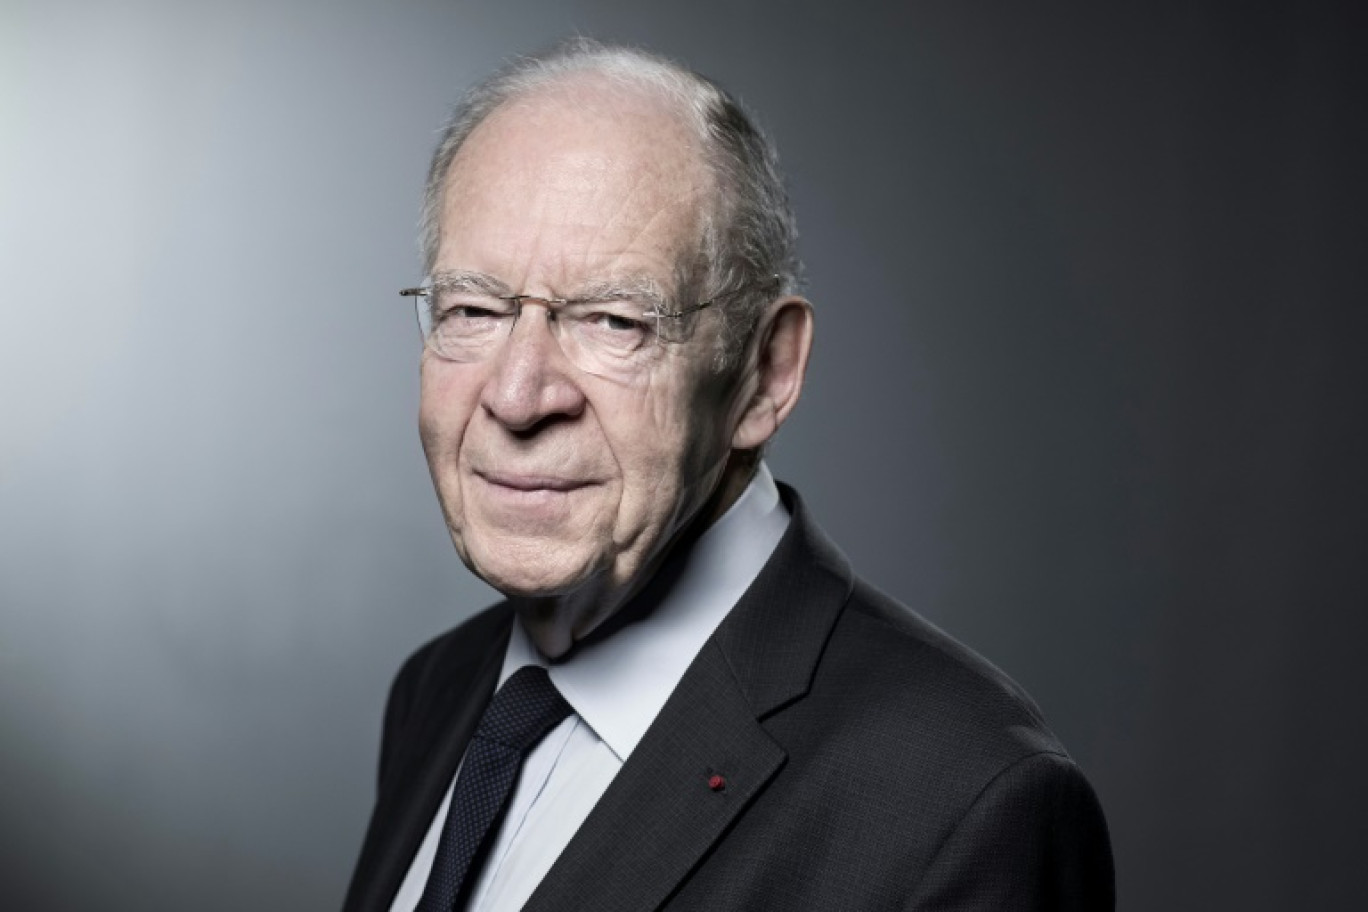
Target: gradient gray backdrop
1088, 392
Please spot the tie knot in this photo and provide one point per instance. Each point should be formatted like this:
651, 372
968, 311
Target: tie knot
526, 707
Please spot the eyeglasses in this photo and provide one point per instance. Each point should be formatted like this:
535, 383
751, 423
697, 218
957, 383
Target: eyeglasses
610, 332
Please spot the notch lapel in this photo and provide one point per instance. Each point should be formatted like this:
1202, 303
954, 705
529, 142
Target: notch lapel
660, 817
660, 814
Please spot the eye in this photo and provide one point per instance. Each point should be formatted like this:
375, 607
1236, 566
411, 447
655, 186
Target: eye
466, 312
466, 316
464, 305
618, 323
614, 329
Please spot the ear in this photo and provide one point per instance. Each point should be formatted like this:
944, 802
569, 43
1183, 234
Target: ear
783, 342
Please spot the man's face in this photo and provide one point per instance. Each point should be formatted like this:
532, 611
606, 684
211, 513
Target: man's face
554, 481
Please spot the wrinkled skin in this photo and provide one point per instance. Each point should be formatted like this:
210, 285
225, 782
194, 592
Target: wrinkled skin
561, 488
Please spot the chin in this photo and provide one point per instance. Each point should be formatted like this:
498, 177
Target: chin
530, 569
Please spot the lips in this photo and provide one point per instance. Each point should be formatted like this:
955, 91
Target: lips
531, 481
526, 503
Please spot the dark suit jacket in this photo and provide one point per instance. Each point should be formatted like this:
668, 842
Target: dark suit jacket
870, 762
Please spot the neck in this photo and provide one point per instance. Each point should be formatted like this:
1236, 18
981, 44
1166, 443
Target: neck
551, 622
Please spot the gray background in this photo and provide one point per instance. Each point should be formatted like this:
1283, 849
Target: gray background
1088, 392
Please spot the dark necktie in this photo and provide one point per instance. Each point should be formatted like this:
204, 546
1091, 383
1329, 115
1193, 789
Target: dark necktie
526, 707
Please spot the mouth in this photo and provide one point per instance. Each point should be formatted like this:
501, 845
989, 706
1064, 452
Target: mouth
527, 503
531, 482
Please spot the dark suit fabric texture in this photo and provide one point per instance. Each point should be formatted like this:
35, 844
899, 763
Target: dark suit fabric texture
869, 762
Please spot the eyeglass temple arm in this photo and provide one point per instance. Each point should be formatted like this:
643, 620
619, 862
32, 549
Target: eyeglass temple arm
677, 314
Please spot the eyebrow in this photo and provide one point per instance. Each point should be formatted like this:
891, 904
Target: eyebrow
465, 280
623, 288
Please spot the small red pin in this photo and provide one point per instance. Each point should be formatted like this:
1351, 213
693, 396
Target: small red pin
716, 782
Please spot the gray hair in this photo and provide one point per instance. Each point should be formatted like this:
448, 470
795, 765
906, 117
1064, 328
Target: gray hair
747, 255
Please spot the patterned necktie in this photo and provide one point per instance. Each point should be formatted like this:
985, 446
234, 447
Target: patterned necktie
526, 707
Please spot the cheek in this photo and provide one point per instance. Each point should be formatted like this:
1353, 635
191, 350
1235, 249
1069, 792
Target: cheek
446, 402
656, 436
672, 438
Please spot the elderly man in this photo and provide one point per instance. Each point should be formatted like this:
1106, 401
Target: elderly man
687, 700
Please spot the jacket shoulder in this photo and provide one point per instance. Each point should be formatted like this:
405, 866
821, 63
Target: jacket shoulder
912, 716
925, 682
912, 760
960, 671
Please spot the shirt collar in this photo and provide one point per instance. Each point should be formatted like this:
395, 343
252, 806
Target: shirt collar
619, 684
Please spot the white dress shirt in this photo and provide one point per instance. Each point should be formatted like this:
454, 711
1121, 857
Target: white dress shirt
616, 686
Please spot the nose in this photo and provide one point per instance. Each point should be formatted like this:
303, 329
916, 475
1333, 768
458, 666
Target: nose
531, 379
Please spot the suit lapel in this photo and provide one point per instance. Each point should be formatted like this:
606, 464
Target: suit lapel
660, 815
664, 810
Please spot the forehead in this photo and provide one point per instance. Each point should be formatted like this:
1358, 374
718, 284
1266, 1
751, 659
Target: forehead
579, 181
